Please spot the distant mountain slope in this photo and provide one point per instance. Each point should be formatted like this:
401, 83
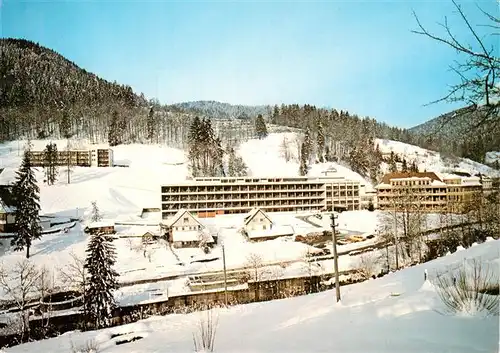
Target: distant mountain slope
43, 94
223, 110
461, 132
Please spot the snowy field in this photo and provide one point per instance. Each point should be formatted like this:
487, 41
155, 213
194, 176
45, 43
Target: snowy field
433, 161
122, 192
396, 313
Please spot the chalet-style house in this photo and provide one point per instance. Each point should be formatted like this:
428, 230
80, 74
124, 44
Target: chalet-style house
100, 227
183, 230
258, 226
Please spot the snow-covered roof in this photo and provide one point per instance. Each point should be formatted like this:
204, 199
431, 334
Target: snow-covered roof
6, 209
101, 224
191, 235
171, 221
253, 212
273, 232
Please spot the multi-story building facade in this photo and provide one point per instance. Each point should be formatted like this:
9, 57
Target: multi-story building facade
427, 192
208, 197
97, 157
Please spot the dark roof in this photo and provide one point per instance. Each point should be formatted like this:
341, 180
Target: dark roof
7, 195
400, 175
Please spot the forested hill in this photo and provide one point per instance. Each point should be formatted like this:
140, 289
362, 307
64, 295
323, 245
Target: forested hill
38, 87
464, 132
224, 110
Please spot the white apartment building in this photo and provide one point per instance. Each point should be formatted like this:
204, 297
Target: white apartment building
207, 197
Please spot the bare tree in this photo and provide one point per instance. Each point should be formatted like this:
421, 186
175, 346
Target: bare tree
255, 265
276, 273
19, 283
204, 338
479, 69
471, 288
285, 149
45, 286
367, 264
76, 277
312, 268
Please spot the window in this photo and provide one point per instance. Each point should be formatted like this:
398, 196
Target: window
186, 219
264, 227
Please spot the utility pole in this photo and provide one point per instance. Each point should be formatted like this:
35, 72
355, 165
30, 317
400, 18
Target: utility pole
333, 217
396, 239
68, 155
225, 274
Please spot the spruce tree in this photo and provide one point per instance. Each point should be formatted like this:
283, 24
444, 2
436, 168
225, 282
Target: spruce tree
101, 256
321, 142
260, 127
95, 215
27, 199
236, 165
151, 126
404, 166
50, 157
194, 145
305, 154
114, 138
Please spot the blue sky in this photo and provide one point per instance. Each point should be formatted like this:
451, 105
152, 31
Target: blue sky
354, 55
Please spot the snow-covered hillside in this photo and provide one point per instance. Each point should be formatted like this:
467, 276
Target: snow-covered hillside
492, 157
266, 157
433, 161
397, 313
119, 191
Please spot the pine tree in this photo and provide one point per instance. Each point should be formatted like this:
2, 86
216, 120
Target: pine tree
27, 216
305, 154
95, 215
321, 142
151, 126
101, 257
392, 163
236, 165
195, 146
50, 161
65, 126
114, 135
218, 159
414, 167
260, 127
404, 166
276, 114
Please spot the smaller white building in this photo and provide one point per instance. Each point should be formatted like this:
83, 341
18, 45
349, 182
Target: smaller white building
258, 226
184, 230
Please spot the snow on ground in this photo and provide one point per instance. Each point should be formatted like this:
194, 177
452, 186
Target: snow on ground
266, 158
396, 313
492, 157
433, 161
122, 192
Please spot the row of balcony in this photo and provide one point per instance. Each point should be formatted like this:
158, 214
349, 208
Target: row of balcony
246, 188
249, 204
230, 197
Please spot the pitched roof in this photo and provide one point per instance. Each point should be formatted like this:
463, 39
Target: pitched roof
253, 212
171, 221
400, 175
